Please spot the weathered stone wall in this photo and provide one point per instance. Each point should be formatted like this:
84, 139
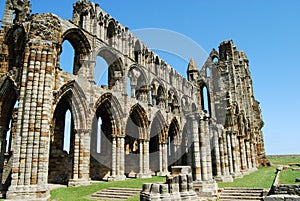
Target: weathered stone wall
152, 117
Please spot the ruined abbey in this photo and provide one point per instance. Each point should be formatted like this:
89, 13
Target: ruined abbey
146, 119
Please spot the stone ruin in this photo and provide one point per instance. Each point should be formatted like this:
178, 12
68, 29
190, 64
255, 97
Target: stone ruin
179, 186
146, 112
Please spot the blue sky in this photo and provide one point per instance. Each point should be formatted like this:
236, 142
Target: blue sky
268, 31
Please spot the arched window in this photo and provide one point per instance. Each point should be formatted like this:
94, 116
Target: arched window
101, 72
67, 131
99, 135
67, 57
110, 33
129, 87
137, 51
205, 100
207, 71
215, 59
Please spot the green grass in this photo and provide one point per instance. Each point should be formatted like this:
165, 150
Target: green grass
289, 176
262, 178
284, 160
81, 193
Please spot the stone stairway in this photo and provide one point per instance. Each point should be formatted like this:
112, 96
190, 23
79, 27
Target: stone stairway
115, 194
241, 194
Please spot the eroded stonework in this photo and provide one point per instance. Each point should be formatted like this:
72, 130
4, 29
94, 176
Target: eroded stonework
145, 120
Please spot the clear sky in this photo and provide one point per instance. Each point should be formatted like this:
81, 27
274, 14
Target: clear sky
268, 31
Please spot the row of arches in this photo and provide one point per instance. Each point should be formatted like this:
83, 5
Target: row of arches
144, 141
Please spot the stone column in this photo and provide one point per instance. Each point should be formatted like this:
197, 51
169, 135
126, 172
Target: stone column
253, 155
249, 156
229, 150
114, 157
217, 152
208, 149
235, 155
193, 129
141, 157
243, 154
3, 133
146, 157
203, 150
31, 147
164, 159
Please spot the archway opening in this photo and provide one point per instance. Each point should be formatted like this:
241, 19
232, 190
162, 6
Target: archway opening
8, 120
172, 144
101, 142
109, 69
156, 135
136, 131
67, 57
205, 100
101, 72
62, 144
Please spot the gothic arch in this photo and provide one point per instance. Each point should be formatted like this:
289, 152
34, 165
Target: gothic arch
106, 123
138, 83
15, 39
115, 65
75, 97
136, 134
80, 44
157, 136
173, 101
205, 97
8, 119
173, 142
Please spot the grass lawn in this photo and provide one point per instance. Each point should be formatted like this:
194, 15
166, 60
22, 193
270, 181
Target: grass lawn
284, 160
262, 178
288, 176
80, 193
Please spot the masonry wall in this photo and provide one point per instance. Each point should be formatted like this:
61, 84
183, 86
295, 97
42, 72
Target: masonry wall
149, 112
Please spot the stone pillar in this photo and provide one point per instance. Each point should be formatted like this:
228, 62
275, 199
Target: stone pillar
193, 129
208, 149
118, 159
217, 152
114, 157
31, 147
235, 155
229, 150
163, 152
146, 157
3, 132
253, 155
203, 150
249, 156
141, 157
244, 165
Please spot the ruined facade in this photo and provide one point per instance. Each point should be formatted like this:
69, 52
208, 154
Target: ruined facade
146, 112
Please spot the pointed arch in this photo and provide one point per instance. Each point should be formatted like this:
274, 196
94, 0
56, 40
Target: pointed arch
80, 44
15, 39
114, 66
8, 119
138, 83
69, 99
136, 132
173, 142
76, 99
106, 124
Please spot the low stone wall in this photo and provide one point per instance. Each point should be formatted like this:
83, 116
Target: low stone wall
179, 187
283, 192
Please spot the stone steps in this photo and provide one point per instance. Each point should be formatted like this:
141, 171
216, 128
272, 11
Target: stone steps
115, 194
241, 194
